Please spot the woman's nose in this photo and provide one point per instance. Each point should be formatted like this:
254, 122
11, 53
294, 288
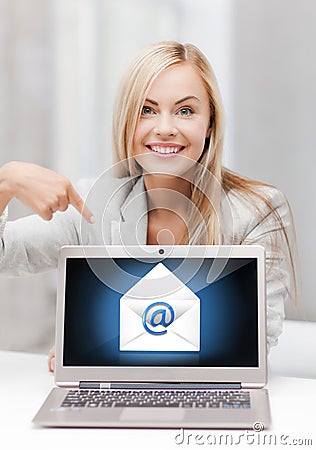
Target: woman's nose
165, 126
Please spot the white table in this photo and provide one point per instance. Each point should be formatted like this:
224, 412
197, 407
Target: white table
25, 382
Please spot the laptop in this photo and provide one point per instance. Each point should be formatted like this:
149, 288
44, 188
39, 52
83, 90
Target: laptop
160, 337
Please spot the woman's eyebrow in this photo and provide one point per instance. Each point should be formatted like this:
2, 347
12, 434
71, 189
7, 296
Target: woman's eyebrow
184, 99
151, 101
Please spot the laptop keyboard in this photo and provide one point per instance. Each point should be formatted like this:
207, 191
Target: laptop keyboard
156, 398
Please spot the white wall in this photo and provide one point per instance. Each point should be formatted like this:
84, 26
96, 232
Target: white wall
27, 305
274, 73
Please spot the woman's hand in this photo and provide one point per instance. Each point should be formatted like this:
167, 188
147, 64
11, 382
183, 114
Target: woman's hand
41, 189
51, 359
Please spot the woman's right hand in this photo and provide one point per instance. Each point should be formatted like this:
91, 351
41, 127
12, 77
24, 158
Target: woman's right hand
41, 189
51, 359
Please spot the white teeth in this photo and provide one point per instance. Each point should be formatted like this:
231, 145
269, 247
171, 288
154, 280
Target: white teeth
159, 149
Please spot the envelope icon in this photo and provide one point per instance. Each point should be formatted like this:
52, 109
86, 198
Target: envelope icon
160, 313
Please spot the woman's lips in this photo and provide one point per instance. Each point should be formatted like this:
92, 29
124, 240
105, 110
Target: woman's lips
165, 149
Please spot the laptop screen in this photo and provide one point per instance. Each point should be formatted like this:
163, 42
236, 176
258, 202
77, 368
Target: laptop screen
190, 312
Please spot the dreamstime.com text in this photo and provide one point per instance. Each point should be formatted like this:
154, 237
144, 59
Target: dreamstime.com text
246, 438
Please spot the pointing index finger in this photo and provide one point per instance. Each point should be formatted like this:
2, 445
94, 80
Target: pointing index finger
76, 201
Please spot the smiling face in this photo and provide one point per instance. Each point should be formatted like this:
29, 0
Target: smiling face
174, 122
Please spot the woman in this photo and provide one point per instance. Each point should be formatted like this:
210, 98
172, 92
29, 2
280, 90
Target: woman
169, 185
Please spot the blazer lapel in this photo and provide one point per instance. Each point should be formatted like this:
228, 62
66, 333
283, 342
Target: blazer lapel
131, 229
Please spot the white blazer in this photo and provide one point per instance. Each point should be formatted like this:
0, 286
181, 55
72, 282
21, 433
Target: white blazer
31, 245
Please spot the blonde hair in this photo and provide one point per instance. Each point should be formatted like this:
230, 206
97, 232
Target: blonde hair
211, 179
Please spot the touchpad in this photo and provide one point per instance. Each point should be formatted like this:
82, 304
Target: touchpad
151, 414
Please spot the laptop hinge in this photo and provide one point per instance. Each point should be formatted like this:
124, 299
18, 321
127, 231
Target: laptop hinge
93, 385
175, 386
97, 385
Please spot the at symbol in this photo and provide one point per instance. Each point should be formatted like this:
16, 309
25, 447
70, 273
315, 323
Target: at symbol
158, 317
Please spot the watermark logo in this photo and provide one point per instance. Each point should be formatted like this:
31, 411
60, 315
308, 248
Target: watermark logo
258, 426
129, 228
247, 438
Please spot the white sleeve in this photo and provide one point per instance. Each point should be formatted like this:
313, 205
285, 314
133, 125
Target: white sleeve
31, 244
3, 220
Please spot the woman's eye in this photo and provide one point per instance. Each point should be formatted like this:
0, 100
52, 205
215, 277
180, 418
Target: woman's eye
185, 111
146, 110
